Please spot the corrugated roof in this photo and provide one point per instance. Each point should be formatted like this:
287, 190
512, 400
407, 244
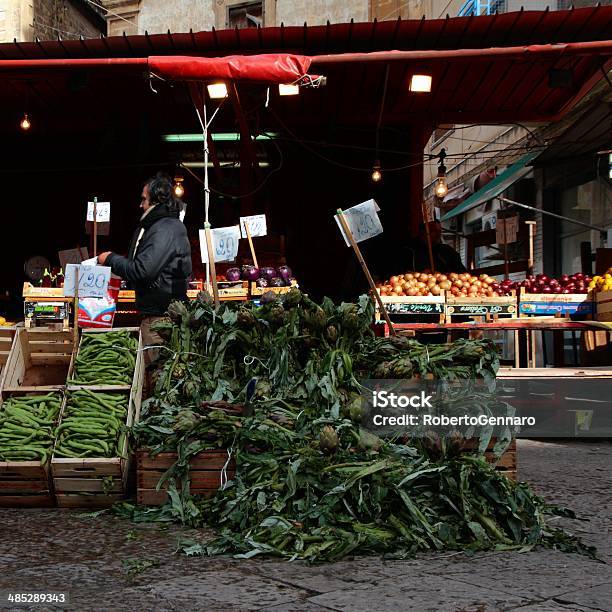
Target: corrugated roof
505, 30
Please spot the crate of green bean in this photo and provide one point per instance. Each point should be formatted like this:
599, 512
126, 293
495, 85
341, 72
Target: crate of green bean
90, 458
105, 358
28, 426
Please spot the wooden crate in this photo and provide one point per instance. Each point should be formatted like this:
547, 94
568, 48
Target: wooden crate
204, 474
7, 337
507, 463
135, 331
603, 306
38, 359
99, 482
489, 308
556, 304
257, 292
26, 484
400, 305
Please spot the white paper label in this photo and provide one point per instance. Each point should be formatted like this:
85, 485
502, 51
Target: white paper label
93, 280
102, 211
363, 221
257, 226
225, 242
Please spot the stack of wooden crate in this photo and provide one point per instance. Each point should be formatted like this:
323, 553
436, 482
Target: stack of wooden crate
99, 482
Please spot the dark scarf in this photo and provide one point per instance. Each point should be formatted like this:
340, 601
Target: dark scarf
153, 216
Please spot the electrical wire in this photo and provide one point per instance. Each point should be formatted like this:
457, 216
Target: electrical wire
42, 24
109, 12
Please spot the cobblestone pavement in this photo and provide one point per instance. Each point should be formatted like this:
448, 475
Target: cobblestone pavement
59, 550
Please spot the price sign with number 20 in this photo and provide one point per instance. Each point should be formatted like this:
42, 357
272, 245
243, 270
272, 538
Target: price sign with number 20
93, 280
225, 243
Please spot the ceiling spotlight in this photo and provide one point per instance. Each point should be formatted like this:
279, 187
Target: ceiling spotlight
376, 172
217, 90
420, 83
25, 124
288, 90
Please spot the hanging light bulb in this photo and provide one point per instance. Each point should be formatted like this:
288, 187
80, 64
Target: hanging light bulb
441, 188
25, 124
376, 172
179, 190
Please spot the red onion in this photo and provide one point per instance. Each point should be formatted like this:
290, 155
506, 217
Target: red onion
233, 274
285, 272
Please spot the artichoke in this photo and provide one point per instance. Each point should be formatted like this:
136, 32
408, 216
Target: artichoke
454, 443
383, 370
191, 389
315, 317
293, 297
177, 311
186, 420
328, 440
369, 441
245, 318
331, 334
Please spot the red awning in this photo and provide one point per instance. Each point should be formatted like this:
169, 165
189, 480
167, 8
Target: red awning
268, 68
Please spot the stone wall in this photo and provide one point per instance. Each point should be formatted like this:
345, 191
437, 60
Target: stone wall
314, 12
66, 18
157, 16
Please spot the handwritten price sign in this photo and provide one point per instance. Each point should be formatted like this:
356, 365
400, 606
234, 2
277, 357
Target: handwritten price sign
93, 280
363, 221
102, 211
257, 226
225, 242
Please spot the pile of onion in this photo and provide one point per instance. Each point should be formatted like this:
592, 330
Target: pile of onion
421, 283
576, 283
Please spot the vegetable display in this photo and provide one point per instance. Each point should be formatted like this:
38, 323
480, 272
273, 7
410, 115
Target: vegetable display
92, 425
27, 427
269, 276
105, 358
278, 386
565, 284
423, 284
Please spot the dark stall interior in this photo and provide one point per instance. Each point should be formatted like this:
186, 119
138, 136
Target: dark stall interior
101, 134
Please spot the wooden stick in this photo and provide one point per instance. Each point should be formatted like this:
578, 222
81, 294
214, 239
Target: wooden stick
76, 307
211, 262
248, 233
531, 229
506, 266
429, 248
95, 227
366, 271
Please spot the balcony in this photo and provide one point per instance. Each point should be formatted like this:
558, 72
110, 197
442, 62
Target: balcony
482, 7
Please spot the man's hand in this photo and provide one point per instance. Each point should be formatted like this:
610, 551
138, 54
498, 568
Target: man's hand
102, 257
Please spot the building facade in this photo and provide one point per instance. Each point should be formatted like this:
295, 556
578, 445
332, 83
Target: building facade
571, 181
27, 20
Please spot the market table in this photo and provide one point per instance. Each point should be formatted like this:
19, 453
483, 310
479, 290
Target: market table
526, 325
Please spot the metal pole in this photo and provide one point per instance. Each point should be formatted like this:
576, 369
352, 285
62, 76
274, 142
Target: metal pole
206, 188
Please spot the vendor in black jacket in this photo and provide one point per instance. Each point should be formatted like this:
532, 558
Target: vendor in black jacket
158, 264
